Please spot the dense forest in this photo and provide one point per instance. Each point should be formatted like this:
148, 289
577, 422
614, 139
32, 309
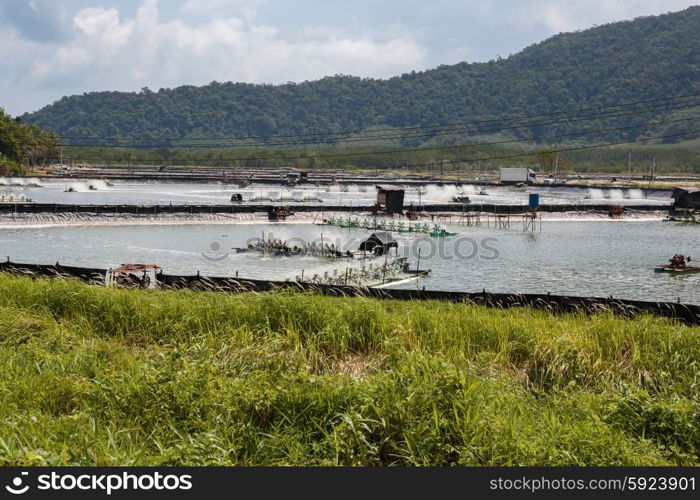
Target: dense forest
632, 61
24, 146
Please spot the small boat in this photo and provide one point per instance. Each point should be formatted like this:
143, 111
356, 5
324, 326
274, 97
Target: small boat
483, 193
677, 270
441, 233
461, 199
677, 264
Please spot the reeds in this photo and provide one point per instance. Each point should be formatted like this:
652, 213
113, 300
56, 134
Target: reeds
96, 376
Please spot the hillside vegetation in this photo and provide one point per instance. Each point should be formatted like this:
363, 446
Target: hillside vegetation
95, 376
647, 58
23, 146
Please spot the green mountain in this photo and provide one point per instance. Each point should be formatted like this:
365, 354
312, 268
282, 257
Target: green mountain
647, 58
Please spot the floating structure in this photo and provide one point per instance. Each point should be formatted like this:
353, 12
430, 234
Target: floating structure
14, 198
382, 225
372, 275
279, 248
441, 233
677, 264
379, 243
677, 270
133, 276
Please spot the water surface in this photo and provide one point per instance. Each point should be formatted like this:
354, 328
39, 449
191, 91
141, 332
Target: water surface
578, 258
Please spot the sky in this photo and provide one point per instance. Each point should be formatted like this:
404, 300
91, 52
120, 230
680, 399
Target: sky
49, 49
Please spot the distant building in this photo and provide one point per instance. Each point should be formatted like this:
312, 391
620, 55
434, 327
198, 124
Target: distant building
390, 199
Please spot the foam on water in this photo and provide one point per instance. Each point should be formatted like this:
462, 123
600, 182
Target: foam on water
78, 187
616, 194
19, 182
595, 194
97, 185
437, 193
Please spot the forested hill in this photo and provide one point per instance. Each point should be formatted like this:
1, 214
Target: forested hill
647, 58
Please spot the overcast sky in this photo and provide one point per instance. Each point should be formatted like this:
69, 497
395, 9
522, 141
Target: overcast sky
53, 48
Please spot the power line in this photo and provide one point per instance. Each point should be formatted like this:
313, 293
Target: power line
434, 148
415, 127
567, 150
522, 155
434, 134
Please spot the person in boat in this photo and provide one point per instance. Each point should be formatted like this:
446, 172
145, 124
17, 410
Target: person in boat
675, 260
679, 261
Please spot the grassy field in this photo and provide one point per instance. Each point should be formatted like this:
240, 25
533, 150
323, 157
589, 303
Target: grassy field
94, 376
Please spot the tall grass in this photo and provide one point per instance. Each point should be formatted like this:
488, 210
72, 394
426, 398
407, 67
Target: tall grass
101, 376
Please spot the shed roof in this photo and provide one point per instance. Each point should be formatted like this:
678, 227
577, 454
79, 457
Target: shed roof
379, 239
388, 187
383, 237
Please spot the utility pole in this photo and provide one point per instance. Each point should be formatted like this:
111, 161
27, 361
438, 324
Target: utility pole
629, 169
653, 170
556, 166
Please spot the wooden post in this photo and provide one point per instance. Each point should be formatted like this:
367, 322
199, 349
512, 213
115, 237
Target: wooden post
629, 169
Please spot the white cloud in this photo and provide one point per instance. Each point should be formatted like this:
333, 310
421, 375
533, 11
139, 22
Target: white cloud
558, 16
128, 53
113, 45
245, 9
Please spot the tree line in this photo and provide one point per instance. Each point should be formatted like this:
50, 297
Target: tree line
22, 147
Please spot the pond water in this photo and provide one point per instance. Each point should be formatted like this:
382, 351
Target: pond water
574, 257
145, 193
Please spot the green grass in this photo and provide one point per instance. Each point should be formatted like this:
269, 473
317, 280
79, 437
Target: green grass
94, 376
